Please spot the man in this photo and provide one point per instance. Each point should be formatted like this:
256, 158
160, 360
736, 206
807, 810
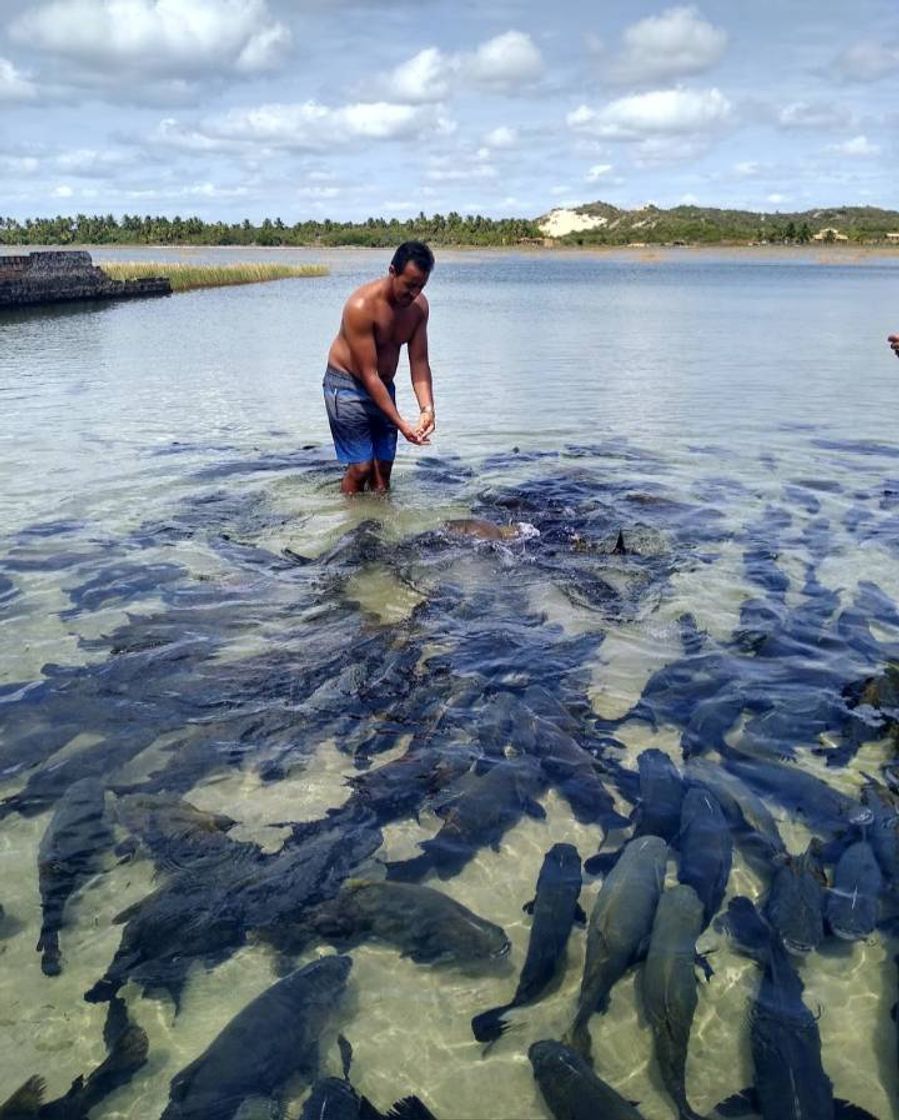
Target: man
893, 340
378, 320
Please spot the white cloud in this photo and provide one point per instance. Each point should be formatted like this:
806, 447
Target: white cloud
598, 171
458, 169
660, 112
747, 168
19, 165
804, 114
868, 61
501, 137
857, 146
14, 86
775, 198
62, 191
677, 43
505, 62
185, 38
314, 126
428, 76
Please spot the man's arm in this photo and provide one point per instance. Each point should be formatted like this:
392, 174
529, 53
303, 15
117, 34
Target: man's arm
358, 329
893, 340
420, 369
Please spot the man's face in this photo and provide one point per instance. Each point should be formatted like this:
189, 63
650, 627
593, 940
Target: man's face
408, 284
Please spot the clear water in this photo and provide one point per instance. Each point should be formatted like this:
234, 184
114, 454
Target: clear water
732, 382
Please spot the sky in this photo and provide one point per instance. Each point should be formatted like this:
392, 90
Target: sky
346, 109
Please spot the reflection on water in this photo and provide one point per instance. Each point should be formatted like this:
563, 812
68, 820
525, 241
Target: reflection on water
281, 693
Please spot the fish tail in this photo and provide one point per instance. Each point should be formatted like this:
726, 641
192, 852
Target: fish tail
489, 1025
409, 870
103, 991
578, 1038
128, 1054
27, 1100
48, 945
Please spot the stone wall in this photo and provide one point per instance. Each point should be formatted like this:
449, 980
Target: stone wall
57, 276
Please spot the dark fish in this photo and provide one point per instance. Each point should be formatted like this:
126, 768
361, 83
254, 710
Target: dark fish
571, 1089
789, 1079
425, 925
574, 771
271, 1039
619, 928
480, 816
819, 803
399, 788
481, 530
76, 837
883, 833
661, 796
795, 902
753, 825
706, 849
177, 834
555, 909
669, 987
852, 902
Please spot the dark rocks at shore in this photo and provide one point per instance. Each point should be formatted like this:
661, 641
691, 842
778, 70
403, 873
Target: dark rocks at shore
57, 277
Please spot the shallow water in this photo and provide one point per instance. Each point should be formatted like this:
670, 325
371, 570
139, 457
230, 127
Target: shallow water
727, 412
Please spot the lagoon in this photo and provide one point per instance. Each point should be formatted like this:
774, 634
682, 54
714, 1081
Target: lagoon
728, 411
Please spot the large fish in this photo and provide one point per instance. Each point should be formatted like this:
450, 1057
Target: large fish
271, 1039
555, 909
789, 1078
480, 816
661, 795
399, 788
669, 987
706, 849
853, 901
425, 925
176, 834
619, 928
795, 902
69, 853
574, 771
883, 835
571, 1089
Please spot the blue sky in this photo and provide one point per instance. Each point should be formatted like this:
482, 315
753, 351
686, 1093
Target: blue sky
350, 108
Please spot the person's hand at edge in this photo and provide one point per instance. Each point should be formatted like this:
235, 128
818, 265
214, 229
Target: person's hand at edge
410, 433
893, 340
427, 422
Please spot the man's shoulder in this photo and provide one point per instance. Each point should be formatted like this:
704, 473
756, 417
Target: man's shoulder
366, 297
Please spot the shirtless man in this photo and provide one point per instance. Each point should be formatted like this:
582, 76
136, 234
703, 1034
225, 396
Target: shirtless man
378, 319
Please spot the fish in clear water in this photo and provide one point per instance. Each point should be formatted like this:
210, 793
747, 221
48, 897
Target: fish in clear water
796, 898
273, 1038
661, 796
69, 853
571, 1089
426, 925
619, 929
853, 902
669, 987
883, 834
705, 848
555, 909
575, 773
789, 1081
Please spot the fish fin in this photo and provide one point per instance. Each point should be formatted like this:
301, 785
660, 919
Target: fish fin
346, 1055
620, 548
580, 915
612, 821
489, 1025
534, 809
843, 1110
528, 907
701, 960
740, 1104
25, 1101
410, 1108
409, 870
602, 863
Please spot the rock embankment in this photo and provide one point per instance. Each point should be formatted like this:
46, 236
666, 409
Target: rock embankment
54, 277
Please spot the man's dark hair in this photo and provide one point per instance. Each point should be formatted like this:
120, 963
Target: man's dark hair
415, 251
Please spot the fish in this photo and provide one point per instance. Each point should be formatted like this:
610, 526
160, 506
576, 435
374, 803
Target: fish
68, 855
574, 771
426, 925
706, 849
852, 905
883, 834
669, 987
481, 530
661, 796
399, 788
175, 833
571, 1089
752, 823
480, 816
795, 902
789, 1081
555, 909
274, 1037
619, 929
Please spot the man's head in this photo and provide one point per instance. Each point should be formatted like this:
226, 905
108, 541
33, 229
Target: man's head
409, 271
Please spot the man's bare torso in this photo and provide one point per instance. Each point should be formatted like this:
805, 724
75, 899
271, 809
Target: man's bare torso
392, 326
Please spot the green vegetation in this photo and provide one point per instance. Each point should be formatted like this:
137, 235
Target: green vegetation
451, 229
183, 277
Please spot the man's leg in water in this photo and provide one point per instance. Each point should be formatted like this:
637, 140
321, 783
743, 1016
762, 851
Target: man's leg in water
380, 475
356, 476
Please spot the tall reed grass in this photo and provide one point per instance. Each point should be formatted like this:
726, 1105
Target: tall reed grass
183, 277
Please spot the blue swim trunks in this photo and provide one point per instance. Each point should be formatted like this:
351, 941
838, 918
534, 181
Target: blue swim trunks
360, 430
